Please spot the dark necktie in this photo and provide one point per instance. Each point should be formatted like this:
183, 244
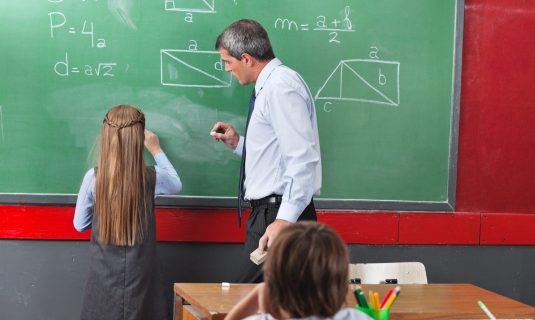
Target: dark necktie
242, 166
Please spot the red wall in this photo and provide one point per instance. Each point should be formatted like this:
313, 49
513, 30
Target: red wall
496, 164
496, 171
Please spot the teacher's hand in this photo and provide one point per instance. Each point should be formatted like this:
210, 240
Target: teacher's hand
225, 132
272, 232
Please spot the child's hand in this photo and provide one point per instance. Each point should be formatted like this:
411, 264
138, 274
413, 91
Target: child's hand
152, 143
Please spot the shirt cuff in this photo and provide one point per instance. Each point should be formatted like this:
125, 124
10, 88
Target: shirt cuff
289, 212
239, 148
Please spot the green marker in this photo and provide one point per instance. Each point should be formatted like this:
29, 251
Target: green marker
486, 310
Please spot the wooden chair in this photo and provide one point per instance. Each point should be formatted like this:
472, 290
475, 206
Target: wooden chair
375, 273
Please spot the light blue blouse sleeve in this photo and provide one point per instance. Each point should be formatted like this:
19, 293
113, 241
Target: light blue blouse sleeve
167, 182
167, 179
84, 204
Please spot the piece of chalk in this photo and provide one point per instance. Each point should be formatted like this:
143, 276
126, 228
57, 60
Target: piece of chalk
212, 133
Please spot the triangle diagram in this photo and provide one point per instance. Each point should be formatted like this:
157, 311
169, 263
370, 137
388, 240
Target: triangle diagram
331, 88
190, 5
358, 80
193, 69
358, 88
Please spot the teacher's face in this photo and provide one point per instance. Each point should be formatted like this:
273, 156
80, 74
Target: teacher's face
240, 69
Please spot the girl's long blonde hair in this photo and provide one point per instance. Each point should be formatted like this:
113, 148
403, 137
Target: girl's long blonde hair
122, 193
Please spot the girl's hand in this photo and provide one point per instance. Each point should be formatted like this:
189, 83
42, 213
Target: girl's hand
152, 143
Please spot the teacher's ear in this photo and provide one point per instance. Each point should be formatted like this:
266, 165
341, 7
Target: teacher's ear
248, 59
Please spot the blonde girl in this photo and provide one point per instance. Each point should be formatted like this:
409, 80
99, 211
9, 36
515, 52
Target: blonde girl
116, 201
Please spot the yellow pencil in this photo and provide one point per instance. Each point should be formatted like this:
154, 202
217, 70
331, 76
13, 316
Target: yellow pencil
372, 300
390, 301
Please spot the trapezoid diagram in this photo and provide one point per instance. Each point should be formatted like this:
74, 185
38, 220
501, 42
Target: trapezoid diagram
365, 80
202, 6
185, 68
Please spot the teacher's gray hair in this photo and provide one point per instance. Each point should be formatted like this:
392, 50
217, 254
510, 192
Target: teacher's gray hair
246, 36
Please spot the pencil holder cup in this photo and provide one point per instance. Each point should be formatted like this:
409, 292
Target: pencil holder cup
376, 314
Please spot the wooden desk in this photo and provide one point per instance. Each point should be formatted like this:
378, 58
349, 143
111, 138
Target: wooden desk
430, 301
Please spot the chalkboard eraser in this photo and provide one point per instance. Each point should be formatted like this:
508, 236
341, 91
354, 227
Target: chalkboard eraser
258, 257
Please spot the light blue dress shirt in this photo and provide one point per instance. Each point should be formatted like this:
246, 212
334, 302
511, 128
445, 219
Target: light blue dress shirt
167, 182
283, 150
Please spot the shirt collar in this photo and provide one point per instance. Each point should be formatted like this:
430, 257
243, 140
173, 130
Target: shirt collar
265, 73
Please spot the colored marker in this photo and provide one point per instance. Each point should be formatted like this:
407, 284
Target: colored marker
486, 310
371, 299
391, 299
376, 300
356, 294
363, 300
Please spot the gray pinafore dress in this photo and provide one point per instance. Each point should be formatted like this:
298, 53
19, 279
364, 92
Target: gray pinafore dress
125, 283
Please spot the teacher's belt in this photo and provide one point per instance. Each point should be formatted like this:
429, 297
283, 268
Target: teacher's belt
271, 199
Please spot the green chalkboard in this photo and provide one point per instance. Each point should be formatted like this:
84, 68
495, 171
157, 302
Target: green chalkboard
384, 73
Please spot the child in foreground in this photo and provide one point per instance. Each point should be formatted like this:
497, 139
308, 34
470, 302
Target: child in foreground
116, 201
306, 277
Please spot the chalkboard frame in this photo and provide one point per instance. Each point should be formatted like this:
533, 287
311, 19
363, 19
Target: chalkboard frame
345, 204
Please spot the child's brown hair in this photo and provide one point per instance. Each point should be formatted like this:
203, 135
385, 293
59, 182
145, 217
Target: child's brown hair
306, 271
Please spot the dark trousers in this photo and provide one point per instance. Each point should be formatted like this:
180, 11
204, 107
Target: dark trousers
261, 217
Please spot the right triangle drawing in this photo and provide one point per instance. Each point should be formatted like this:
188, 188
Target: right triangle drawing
372, 81
183, 68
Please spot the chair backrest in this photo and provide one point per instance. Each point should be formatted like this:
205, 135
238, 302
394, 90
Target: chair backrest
404, 272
